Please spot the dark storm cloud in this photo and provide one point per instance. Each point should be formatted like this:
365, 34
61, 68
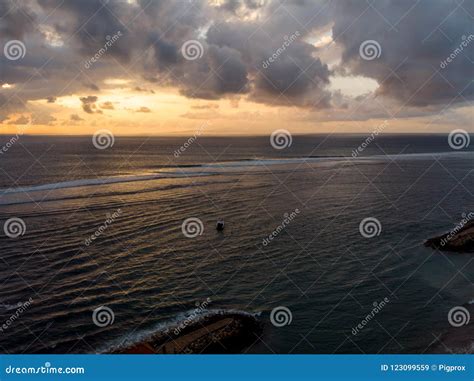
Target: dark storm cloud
91, 23
415, 38
166, 54
231, 5
240, 7
89, 104
238, 38
221, 72
285, 68
17, 19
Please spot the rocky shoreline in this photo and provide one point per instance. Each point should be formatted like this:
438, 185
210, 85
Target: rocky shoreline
215, 334
459, 338
460, 239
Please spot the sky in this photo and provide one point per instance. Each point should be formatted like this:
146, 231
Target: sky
236, 67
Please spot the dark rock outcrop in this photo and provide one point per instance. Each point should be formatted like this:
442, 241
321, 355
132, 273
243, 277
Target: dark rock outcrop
220, 333
460, 239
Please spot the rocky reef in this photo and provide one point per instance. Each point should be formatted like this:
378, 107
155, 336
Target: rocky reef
460, 239
211, 334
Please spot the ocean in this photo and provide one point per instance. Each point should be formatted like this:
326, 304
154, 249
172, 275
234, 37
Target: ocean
106, 228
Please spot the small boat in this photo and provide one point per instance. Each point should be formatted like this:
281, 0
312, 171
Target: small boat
220, 224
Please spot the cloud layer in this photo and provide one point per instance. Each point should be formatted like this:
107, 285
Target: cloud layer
266, 51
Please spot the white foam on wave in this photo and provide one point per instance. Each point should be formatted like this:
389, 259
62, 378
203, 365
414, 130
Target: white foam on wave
94, 182
210, 169
138, 337
10, 307
424, 155
77, 183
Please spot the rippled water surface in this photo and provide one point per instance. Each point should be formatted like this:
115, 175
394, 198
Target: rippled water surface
319, 266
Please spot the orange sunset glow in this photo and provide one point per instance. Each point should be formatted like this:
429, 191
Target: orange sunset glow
307, 77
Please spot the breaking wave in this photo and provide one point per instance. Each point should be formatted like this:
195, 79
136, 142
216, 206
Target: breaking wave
164, 327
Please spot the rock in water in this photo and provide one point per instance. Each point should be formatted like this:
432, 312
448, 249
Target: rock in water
219, 333
460, 239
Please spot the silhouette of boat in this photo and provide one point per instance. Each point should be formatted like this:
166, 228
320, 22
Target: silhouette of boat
220, 224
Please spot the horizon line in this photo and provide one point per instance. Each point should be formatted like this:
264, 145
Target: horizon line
233, 135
